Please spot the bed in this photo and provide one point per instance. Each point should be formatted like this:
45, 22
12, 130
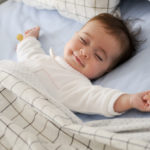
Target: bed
26, 123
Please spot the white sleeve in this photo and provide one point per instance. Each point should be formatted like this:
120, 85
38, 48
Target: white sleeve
92, 100
29, 48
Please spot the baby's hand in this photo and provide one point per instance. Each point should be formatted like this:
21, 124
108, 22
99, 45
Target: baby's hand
34, 32
146, 98
141, 101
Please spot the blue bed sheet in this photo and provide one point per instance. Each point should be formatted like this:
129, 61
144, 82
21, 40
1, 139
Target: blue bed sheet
17, 17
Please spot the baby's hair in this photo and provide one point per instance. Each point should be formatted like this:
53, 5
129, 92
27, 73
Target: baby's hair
121, 30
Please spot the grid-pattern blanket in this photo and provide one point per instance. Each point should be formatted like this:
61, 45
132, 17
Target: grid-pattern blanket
31, 121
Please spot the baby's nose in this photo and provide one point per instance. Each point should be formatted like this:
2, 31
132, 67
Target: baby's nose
85, 53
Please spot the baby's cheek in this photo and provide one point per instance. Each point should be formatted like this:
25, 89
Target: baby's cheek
93, 73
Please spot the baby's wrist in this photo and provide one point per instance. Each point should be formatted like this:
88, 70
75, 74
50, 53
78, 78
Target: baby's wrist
127, 101
130, 101
123, 103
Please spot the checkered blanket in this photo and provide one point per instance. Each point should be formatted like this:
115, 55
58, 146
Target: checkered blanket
31, 121
80, 10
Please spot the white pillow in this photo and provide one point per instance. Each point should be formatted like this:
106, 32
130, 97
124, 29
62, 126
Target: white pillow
80, 10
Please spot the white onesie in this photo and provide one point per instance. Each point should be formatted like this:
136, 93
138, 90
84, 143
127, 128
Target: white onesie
59, 80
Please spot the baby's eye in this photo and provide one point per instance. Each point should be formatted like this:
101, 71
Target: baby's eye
83, 40
98, 57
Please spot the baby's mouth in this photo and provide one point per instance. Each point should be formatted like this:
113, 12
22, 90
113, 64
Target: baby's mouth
78, 60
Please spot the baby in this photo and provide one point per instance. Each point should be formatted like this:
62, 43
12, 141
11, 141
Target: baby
102, 43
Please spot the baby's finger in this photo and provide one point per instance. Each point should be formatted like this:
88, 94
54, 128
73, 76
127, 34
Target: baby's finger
146, 95
145, 107
37, 27
33, 29
28, 31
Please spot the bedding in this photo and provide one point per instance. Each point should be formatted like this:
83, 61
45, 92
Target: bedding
53, 35
53, 27
60, 128
1, 1
36, 122
80, 10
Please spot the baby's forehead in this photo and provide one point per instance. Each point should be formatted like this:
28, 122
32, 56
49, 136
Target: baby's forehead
98, 26
93, 26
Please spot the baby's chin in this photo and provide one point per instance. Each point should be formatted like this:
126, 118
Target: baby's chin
92, 76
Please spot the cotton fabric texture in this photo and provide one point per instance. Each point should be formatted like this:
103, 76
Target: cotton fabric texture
80, 10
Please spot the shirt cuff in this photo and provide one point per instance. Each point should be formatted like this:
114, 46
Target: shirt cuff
111, 105
24, 41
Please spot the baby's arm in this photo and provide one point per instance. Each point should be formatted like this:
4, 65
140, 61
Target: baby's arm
140, 101
30, 47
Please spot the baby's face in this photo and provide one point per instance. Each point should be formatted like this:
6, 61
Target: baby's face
92, 50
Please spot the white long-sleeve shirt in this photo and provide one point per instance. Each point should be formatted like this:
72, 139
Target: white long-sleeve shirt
65, 84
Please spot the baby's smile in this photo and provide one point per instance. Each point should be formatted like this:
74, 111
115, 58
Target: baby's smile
78, 60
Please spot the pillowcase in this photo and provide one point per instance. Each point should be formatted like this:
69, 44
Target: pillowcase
1, 1
80, 10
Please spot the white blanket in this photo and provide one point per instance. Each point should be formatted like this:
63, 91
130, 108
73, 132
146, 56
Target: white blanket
31, 121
